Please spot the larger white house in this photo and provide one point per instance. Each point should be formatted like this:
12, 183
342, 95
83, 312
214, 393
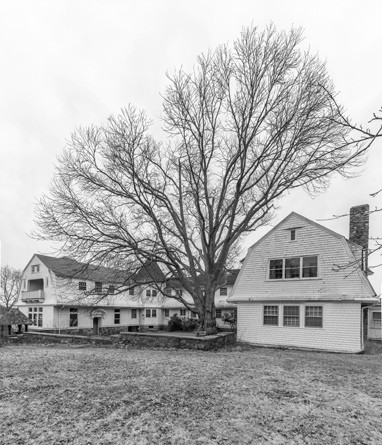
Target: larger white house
62, 294
303, 285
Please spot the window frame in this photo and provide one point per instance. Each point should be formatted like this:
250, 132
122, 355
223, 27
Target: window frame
111, 289
166, 313
151, 313
73, 317
271, 315
152, 293
134, 313
182, 312
225, 291
310, 317
82, 285
301, 268
292, 235
117, 316
35, 268
289, 317
35, 313
98, 287
376, 323
218, 313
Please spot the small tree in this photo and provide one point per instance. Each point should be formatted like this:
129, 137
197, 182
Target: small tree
250, 123
10, 285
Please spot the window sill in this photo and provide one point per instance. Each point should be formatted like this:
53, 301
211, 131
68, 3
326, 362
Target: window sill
278, 280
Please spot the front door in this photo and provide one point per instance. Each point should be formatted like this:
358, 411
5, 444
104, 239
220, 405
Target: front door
96, 326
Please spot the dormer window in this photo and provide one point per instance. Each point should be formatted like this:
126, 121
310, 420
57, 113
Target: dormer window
293, 268
293, 235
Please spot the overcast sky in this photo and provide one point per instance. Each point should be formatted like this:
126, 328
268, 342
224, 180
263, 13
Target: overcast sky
66, 64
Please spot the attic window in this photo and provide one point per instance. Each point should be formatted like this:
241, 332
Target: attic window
293, 235
98, 287
111, 289
35, 268
223, 291
82, 285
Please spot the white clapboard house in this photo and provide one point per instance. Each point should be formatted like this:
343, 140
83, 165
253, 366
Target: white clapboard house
63, 295
303, 285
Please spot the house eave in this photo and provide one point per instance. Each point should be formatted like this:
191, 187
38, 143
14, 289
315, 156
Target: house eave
328, 298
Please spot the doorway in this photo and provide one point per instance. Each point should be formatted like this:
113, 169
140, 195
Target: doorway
96, 323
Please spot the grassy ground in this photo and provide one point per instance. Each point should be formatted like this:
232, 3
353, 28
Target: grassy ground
65, 395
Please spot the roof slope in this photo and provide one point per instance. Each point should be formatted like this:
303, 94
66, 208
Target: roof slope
68, 268
13, 316
150, 271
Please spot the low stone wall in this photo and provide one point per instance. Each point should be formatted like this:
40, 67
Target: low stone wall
112, 330
167, 340
43, 337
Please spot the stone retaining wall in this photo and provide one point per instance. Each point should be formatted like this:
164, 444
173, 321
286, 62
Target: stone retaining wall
43, 337
167, 340
82, 331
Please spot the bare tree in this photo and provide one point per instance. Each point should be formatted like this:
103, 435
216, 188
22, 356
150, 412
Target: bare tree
10, 285
251, 122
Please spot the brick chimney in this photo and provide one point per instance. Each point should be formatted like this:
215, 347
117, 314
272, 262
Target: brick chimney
359, 230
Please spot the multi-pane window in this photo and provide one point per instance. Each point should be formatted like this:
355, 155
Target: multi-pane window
73, 316
179, 292
117, 316
131, 291
167, 313
35, 314
82, 285
291, 315
313, 316
223, 291
309, 266
271, 315
275, 269
293, 268
151, 313
111, 289
293, 234
218, 313
35, 268
151, 293
193, 315
376, 320
133, 313
98, 287
183, 312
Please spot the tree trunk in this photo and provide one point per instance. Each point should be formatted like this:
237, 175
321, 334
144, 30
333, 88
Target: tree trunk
207, 315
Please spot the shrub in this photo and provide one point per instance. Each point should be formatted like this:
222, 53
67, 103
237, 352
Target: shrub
230, 318
189, 324
175, 323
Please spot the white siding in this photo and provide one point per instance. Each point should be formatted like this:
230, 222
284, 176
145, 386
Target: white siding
341, 329
253, 282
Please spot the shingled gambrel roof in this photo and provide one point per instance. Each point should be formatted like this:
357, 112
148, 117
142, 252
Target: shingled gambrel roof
68, 268
13, 316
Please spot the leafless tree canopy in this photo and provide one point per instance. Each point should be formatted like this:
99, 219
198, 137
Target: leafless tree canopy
249, 123
9, 286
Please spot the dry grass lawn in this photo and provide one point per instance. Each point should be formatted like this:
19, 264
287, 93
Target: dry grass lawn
76, 395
